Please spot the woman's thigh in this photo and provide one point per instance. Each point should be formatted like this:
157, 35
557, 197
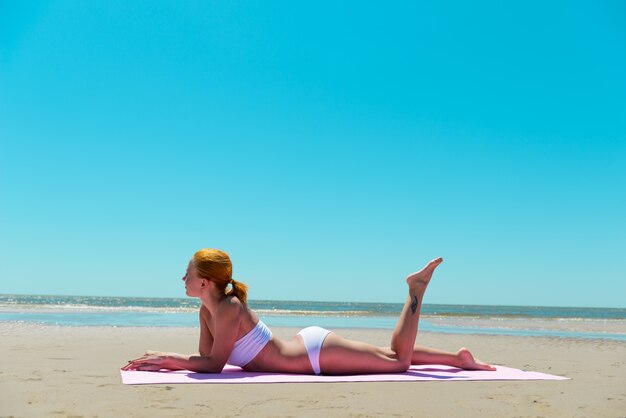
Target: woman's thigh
342, 356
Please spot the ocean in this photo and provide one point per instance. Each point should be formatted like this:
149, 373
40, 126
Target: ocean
564, 322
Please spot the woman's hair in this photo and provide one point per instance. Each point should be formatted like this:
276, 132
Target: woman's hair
214, 265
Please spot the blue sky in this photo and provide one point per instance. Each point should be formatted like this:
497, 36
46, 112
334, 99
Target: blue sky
330, 148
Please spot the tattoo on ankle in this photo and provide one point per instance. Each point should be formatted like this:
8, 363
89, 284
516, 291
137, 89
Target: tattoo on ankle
413, 304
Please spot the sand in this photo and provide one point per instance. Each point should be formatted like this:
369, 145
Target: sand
73, 371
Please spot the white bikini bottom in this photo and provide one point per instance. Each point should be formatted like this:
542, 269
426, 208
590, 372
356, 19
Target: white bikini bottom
313, 338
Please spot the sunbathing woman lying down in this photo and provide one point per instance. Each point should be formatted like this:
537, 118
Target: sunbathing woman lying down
230, 332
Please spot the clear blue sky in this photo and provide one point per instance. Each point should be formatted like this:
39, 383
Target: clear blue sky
330, 148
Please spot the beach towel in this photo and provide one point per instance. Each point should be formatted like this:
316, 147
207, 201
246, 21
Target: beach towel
232, 374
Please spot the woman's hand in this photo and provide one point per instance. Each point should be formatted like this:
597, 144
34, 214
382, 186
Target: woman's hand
151, 361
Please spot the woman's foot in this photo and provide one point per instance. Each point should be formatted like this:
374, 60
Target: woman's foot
468, 362
421, 278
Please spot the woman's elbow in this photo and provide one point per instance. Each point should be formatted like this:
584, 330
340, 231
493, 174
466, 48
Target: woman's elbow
206, 365
213, 369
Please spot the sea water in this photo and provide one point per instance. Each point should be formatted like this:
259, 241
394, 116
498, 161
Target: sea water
602, 323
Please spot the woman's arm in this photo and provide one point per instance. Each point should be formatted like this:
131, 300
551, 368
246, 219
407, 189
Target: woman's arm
154, 361
226, 329
206, 338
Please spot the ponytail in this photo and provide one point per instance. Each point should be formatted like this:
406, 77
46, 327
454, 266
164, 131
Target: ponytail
215, 265
238, 289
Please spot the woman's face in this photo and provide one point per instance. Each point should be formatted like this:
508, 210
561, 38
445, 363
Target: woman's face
193, 283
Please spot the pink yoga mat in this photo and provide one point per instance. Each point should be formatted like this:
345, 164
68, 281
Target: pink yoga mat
232, 374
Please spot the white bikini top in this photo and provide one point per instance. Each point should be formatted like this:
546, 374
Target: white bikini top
247, 347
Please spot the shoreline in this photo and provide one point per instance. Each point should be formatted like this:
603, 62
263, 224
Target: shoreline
62, 371
584, 328
565, 322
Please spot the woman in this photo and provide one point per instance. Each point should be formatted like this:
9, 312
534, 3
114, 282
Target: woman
231, 333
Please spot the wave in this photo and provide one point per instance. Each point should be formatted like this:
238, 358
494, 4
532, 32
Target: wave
51, 304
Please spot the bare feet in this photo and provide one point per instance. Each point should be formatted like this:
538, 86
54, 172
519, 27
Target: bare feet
421, 278
468, 362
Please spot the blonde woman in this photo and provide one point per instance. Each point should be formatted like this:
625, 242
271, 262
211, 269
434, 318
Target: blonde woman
230, 332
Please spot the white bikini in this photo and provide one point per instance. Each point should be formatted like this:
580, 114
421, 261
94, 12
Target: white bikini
250, 345
247, 347
313, 338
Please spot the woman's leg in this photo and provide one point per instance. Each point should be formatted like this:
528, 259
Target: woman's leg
462, 359
342, 356
403, 338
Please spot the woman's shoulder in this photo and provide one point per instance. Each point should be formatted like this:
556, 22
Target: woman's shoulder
232, 305
204, 312
228, 307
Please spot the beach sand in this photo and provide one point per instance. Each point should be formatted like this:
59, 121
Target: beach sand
74, 371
